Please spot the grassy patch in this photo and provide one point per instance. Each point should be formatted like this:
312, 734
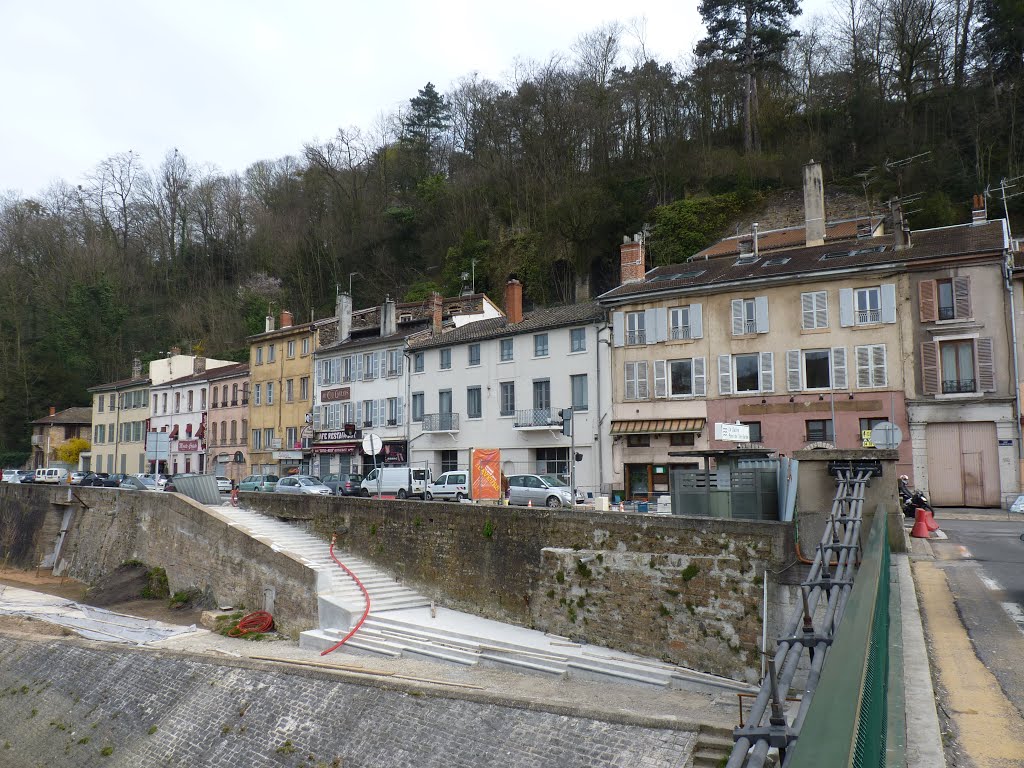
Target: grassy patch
107, 751
286, 749
689, 572
186, 598
488, 529
156, 587
152, 730
84, 740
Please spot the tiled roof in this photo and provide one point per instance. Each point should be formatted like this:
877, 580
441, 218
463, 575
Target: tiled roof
497, 327
122, 384
227, 371
958, 240
790, 237
374, 339
75, 415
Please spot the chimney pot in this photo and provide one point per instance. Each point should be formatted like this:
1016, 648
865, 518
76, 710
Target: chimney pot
286, 318
632, 260
388, 323
514, 301
814, 204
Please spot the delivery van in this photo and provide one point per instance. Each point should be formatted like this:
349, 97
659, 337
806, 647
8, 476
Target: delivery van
398, 481
52, 475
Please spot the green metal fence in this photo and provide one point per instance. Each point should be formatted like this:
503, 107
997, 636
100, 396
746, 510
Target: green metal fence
846, 723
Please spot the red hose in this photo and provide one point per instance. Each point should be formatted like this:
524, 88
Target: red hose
257, 621
366, 594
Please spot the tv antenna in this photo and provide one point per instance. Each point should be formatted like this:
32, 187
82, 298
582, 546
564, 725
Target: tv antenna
897, 167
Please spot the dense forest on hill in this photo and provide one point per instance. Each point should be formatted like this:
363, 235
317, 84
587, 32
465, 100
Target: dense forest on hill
538, 176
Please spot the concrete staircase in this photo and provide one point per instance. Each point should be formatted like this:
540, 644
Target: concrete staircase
714, 745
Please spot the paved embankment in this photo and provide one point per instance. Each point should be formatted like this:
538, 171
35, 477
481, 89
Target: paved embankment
69, 702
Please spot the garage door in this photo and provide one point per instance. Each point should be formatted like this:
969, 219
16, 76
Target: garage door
963, 464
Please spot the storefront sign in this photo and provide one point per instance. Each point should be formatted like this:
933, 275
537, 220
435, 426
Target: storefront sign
394, 452
334, 395
733, 433
284, 455
188, 445
336, 435
346, 448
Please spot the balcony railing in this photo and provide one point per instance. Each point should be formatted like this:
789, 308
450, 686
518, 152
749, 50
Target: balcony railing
440, 422
538, 418
866, 316
636, 337
680, 332
958, 386
946, 313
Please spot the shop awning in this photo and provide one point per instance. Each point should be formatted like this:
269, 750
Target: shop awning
657, 426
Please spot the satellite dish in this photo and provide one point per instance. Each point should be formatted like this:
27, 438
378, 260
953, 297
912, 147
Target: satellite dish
886, 436
372, 444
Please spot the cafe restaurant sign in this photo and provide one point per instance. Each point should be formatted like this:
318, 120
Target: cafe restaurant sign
335, 435
334, 395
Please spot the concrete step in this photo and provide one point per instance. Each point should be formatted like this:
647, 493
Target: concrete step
424, 649
320, 640
397, 604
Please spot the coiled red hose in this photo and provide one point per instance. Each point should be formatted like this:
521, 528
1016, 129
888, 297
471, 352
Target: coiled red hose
366, 595
257, 621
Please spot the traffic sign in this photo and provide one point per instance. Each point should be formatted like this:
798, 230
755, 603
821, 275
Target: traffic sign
886, 436
372, 444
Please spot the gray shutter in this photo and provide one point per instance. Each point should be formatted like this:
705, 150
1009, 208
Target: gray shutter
986, 366
725, 374
661, 316
401, 361
696, 322
793, 370
378, 358
761, 314
807, 311
650, 326
839, 368
618, 328
401, 410
382, 407
737, 317
821, 309
864, 377
660, 379
359, 414
962, 297
879, 372
643, 382
630, 384
888, 302
767, 371
846, 307
700, 386
930, 367
357, 367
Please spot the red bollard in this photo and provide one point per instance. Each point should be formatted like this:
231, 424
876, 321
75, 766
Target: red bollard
920, 529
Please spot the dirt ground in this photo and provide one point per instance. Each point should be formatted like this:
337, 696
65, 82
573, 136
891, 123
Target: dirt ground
43, 580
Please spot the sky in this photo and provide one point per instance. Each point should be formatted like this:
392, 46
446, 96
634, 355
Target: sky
231, 82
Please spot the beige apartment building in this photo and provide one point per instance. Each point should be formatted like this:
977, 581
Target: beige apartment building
120, 419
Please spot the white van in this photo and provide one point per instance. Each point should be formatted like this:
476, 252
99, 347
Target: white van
400, 481
52, 475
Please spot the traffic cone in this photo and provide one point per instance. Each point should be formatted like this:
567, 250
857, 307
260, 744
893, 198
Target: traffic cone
929, 520
920, 529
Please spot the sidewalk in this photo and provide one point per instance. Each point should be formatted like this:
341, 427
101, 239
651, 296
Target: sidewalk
971, 513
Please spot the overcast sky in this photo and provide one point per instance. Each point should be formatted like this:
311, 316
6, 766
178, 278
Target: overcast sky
230, 82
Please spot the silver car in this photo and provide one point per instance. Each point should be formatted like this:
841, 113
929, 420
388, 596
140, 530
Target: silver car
540, 491
302, 484
136, 483
223, 484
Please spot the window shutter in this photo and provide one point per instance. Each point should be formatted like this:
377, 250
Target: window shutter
696, 322
930, 367
378, 358
888, 302
358, 365
793, 370
737, 317
643, 391
401, 411
879, 373
318, 419
661, 322
767, 371
382, 407
928, 301
839, 368
846, 307
761, 314
401, 361
630, 381
962, 297
660, 379
700, 386
618, 328
986, 365
863, 367
650, 326
725, 373
807, 311
821, 309
359, 414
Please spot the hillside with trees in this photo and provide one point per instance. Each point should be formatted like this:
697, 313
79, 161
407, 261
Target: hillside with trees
539, 176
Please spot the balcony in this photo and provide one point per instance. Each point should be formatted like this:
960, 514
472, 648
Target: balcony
440, 422
679, 332
946, 313
868, 316
958, 386
634, 338
538, 418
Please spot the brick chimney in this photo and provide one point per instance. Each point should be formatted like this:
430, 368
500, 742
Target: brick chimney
632, 259
436, 312
343, 313
814, 204
388, 322
979, 210
53, 410
286, 318
514, 301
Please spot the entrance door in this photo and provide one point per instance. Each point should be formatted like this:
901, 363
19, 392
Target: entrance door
963, 464
638, 481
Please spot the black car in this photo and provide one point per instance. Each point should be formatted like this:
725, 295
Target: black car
103, 480
29, 478
344, 485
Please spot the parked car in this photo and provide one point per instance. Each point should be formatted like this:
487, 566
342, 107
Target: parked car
450, 485
258, 483
223, 484
77, 477
28, 477
158, 479
397, 481
136, 483
344, 485
541, 490
103, 480
9, 474
52, 475
19, 475
302, 484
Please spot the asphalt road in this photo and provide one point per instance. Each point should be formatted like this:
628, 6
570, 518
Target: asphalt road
984, 566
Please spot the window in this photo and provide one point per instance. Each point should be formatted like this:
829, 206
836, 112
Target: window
177, 402
256, 442
446, 358
814, 310
191, 400
100, 403
638, 441
234, 394
636, 381
417, 362
755, 430
163, 402
154, 405
871, 368
234, 431
580, 392
259, 355
245, 394
578, 340
449, 461
636, 332
271, 350
817, 369
956, 359
444, 401
508, 398
540, 345
392, 411
747, 373
866, 425
101, 433
291, 349
289, 390
542, 394
553, 461
213, 396
679, 323
505, 349
291, 438
680, 377
268, 437
474, 403
868, 306
819, 430
417, 406
304, 388
244, 430
305, 346
270, 393
110, 402
682, 439
394, 362
746, 318
369, 366
258, 394
948, 299
369, 406
474, 354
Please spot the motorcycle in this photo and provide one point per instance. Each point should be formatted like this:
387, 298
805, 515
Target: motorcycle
912, 499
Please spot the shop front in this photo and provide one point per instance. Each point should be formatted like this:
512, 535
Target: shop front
644, 446
336, 451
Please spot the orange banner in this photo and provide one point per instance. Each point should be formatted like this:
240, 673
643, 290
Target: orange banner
486, 469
